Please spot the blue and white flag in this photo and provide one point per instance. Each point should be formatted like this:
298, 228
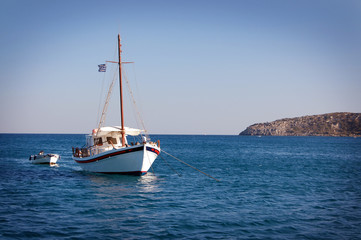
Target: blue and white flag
102, 68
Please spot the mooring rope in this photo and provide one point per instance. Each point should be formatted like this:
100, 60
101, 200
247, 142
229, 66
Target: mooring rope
170, 166
190, 165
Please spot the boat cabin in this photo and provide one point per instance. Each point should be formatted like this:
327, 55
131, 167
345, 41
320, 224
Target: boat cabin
105, 139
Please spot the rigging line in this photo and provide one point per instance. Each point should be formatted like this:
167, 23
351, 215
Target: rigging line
132, 99
190, 166
115, 51
106, 104
137, 90
129, 98
136, 107
100, 97
139, 107
170, 166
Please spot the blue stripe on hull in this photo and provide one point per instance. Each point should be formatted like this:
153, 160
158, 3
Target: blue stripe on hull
153, 150
110, 155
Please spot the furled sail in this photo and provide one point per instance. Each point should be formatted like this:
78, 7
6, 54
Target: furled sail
106, 130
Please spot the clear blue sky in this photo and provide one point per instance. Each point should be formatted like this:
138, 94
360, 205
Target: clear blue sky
201, 67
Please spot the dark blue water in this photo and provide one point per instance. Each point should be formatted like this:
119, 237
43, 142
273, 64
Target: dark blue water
271, 188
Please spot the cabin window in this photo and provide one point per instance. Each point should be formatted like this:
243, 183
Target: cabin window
98, 141
111, 140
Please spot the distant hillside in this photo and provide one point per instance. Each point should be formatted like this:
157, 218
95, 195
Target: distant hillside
331, 124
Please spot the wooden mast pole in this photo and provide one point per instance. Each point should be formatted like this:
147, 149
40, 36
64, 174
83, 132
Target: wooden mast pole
121, 92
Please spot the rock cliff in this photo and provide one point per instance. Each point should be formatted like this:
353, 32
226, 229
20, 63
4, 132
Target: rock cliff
331, 124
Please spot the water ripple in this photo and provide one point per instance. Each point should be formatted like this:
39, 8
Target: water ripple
271, 188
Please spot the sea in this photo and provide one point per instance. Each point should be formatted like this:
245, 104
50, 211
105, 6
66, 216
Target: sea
268, 188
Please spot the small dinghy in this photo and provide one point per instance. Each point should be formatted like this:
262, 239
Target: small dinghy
42, 158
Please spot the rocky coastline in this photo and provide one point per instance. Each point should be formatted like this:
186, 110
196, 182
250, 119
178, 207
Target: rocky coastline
340, 124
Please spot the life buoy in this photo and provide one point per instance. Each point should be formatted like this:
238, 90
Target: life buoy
158, 143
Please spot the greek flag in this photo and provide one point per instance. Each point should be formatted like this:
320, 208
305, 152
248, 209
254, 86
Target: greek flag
102, 68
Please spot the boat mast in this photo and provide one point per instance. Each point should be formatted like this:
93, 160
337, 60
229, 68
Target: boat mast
121, 92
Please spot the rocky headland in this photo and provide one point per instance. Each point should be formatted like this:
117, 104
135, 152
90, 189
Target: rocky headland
342, 124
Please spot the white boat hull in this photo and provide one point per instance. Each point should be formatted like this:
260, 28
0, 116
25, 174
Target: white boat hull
44, 159
134, 160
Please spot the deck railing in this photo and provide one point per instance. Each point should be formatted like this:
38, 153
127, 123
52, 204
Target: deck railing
94, 150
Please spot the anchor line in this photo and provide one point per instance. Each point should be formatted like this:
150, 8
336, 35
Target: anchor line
190, 166
170, 166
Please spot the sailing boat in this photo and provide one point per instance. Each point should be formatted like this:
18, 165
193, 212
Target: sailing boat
107, 149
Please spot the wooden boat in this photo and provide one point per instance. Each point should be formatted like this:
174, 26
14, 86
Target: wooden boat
107, 149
